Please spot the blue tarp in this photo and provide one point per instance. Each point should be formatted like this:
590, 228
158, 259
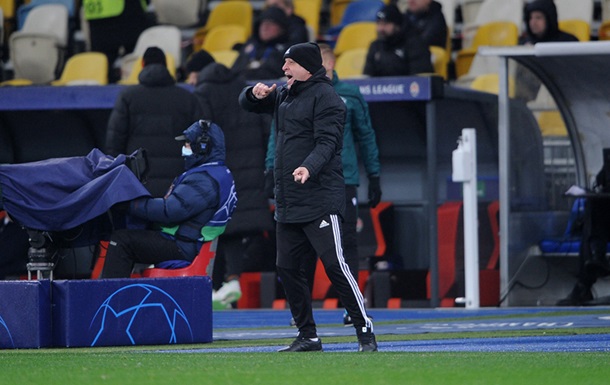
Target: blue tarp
62, 193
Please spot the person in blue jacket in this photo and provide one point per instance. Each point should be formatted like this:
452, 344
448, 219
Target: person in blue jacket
195, 209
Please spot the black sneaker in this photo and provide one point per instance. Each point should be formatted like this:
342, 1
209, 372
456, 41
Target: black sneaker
301, 344
366, 341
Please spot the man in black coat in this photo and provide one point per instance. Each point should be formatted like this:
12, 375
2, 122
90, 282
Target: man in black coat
396, 52
309, 189
150, 115
426, 17
246, 134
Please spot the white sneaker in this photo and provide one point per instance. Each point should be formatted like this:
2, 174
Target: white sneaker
228, 293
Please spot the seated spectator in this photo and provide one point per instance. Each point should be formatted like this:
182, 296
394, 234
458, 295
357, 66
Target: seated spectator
542, 24
426, 17
396, 51
261, 57
542, 27
196, 209
297, 27
195, 64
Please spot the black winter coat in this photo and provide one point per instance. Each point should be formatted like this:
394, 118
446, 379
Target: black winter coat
150, 115
403, 54
246, 134
309, 122
430, 25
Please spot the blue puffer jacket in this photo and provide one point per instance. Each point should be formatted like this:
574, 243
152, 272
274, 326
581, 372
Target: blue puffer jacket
199, 204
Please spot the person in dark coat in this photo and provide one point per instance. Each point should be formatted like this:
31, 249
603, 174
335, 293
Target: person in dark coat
542, 25
261, 56
309, 189
195, 210
396, 51
246, 134
426, 17
149, 115
297, 27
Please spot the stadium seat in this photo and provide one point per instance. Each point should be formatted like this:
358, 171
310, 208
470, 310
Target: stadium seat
166, 37
351, 63
183, 13
309, 10
227, 57
440, 60
551, 123
491, 83
137, 68
355, 35
198, 267
356, 11
37, 50
493, 11
579, 28
224, 37
24, 9
336, 10
497, 33
85, 68
225, 12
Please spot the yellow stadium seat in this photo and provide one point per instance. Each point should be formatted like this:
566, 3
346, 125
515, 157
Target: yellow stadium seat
225, 57
440, 60
497, 33
551, 123
356, 35
337, 8
137, 68
309, 10
238, 12
351, 63
16, 82
491, 83
576, 27
86, 68
224, 37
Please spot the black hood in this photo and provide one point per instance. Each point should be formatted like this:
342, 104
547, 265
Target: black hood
548, 8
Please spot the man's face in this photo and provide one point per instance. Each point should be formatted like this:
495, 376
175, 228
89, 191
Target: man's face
537, 23
294, 71
417, 6
386, 29
269, 30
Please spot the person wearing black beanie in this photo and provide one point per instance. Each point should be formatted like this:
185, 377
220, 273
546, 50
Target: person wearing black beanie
309, 190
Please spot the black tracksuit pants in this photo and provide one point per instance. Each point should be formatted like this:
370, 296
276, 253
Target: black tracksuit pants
298, 244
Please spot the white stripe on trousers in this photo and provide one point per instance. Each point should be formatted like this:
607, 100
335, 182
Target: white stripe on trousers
346, 271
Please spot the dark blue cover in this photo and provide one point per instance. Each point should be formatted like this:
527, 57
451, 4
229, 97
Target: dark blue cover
25, 314
62, 193
123, 312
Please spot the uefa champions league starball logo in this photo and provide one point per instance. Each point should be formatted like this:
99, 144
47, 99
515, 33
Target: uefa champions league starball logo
6, 339
134, 312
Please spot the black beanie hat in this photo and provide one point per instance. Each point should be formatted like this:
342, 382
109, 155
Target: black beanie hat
198, 61
307, 55
153, 55
391, 14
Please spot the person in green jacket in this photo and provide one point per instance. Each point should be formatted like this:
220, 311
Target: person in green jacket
357, 131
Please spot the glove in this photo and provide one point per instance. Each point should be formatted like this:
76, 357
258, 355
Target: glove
269, 184
374, 191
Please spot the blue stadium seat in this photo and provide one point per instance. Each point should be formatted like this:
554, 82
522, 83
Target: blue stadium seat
360, 10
